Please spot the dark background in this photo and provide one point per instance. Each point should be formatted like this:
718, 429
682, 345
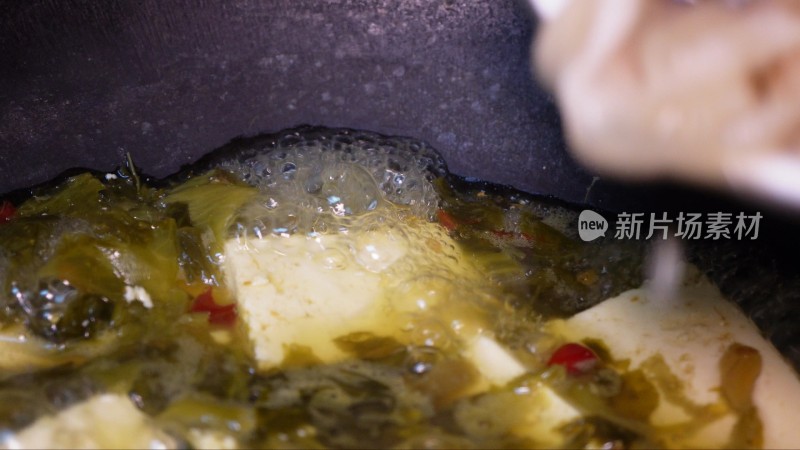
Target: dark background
83, 82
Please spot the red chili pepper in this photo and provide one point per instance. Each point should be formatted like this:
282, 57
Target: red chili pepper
446, 220
576, 358
503, 233
7, 211
217, 314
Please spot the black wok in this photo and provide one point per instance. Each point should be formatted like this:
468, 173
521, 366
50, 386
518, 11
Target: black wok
82, 83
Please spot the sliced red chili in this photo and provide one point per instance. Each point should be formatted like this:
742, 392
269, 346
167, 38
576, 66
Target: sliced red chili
446, 220
217, 314
7, 211
576, 358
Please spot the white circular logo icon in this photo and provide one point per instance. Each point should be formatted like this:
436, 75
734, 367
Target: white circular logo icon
591, 225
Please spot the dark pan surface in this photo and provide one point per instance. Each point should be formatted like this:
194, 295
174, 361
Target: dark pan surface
85, 82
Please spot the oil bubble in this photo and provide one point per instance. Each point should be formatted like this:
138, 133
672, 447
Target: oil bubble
308, 167
421, 360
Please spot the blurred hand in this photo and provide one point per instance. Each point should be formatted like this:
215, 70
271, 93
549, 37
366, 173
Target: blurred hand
706, 92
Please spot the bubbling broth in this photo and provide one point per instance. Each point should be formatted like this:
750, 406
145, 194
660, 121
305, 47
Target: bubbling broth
338, 288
